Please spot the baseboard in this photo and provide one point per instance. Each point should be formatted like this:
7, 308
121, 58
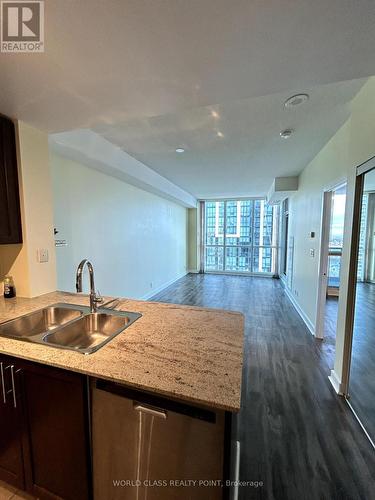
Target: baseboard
192, 271
360, 423
155, 291
283, 280
336, 383
242, 273
300, 311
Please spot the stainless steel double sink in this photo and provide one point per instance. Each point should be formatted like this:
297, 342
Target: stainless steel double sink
69, 327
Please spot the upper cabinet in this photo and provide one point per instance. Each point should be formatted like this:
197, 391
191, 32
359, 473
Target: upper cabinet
10, 217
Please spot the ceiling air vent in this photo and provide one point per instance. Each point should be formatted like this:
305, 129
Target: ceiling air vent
282, 187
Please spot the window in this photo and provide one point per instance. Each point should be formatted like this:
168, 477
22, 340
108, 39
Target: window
336, 236
361, 274
239, 236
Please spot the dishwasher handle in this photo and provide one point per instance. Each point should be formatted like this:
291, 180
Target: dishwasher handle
154, 412
156, 402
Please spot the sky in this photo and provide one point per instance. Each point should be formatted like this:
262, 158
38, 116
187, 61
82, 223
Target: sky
338, 213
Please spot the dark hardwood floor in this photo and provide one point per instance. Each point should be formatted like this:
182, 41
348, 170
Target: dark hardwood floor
330, 324
297, 436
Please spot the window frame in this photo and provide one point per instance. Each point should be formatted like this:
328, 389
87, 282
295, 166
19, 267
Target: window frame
251, 246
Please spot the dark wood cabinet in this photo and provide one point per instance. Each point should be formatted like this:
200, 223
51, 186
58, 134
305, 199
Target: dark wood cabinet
10, 217
11, 428
52, 460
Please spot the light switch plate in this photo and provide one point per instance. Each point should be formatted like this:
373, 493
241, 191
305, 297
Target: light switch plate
42, 255
312, 252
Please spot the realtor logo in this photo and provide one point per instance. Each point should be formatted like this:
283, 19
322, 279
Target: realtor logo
22, 26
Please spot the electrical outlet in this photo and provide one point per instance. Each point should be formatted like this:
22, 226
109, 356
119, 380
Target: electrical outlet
312, 252
42, 255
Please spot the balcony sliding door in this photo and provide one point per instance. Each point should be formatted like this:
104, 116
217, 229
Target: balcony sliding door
239, 236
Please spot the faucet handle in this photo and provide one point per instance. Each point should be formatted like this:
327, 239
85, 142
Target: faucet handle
98, 298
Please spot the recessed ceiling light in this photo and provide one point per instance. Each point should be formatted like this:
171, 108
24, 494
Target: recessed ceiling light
295, 100
215, 114
180, 150
285, 134
220, 134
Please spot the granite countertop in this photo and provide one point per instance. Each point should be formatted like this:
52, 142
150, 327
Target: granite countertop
183, 352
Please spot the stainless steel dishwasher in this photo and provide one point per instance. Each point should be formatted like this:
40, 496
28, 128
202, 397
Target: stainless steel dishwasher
151, 448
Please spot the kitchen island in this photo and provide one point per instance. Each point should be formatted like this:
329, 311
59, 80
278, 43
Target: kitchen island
178, 364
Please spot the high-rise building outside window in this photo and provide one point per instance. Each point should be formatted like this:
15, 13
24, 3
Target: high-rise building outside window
240, 236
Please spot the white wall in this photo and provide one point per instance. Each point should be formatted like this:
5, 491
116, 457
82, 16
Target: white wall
353, 144
327, 170
135, 240
31, 277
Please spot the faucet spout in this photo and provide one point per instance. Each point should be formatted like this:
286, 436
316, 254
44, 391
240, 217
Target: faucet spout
79, 275
94, 298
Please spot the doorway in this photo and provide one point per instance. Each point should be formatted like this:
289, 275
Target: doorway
330, 263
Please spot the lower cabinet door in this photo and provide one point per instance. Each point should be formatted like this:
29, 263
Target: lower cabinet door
11, 456
56, 444
148, 448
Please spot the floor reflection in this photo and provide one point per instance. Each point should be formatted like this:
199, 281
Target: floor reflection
362, 370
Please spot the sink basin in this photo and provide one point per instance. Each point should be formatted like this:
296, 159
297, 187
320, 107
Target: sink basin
69, 326
39, 322
90, 332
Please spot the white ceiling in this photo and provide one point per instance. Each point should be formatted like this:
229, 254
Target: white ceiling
250, 152
120, 66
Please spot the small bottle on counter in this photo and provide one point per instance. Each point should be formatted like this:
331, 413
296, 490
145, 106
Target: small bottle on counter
9, 288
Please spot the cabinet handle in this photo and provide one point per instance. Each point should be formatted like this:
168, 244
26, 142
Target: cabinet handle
13, 389
3, 382
151, 411
13, 386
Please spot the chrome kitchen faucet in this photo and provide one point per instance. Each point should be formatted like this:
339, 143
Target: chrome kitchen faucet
94, 298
